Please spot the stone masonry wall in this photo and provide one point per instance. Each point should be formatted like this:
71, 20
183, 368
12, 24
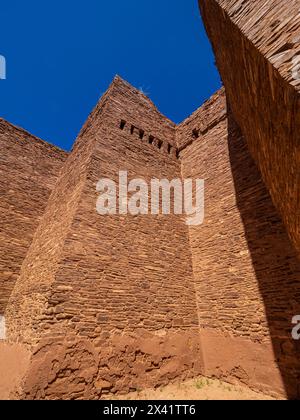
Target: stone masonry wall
109, 304
29, 168
257, 48
112, 305
39, 268
245, 269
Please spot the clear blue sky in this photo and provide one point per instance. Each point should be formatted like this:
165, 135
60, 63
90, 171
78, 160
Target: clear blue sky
62, 55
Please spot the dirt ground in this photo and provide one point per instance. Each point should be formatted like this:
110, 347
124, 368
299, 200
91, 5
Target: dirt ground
14, 360
198, 389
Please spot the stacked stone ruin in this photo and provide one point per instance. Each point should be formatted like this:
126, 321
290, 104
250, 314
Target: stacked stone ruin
98, 305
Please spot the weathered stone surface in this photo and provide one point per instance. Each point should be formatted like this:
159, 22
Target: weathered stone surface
29, 168
83, 368
85, 275
246, 271
114, 304
257, 48
105, 305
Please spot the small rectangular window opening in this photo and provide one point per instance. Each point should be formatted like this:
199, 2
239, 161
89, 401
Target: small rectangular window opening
170, 148
141, 134
122, 125
196, 133
159, 144
151, 139
132, 129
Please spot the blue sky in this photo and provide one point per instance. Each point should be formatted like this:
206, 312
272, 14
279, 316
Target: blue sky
62, 55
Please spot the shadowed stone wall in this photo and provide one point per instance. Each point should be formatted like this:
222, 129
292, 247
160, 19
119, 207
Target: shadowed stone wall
257, 48
246, 270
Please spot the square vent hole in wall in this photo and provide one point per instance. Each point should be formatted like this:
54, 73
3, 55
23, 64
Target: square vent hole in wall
141, 134
196, 133
2, 328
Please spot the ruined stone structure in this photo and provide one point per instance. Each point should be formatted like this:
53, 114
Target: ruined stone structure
260, 40
96, 304
29, 168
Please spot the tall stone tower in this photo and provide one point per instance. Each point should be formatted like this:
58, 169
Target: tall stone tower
107, 303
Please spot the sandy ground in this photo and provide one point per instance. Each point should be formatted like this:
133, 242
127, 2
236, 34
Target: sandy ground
198, 389
14, 360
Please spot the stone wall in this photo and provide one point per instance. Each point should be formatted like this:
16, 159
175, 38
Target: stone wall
110, 304
246, 271
257, 48
29, 168
107, 303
